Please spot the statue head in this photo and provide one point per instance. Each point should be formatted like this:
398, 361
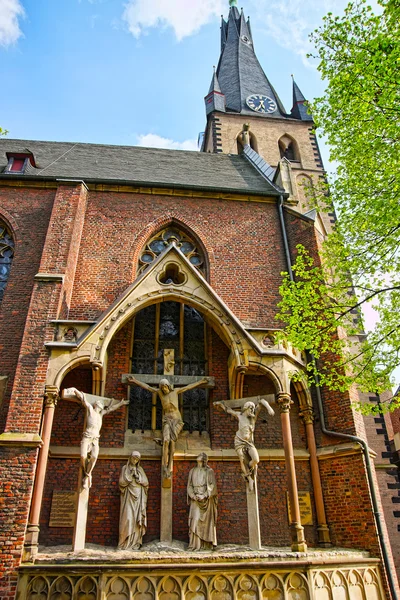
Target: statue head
99, 405
249, 406
202, 459
165, 386
135, 457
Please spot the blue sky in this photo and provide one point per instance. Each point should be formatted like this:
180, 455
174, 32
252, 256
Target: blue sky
136, 71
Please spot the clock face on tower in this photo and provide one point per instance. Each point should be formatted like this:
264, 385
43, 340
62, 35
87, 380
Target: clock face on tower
260, 103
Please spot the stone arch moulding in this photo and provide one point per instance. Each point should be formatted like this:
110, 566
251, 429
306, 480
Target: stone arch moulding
149, 289
156, 227
10, 222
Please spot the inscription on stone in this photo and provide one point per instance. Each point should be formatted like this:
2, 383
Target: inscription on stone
306, 515
63, 509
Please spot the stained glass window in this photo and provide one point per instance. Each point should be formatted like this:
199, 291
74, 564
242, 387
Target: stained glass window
6, 256
173, 326
164, 238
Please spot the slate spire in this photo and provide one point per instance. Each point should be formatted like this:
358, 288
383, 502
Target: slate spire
299, 110
239, 73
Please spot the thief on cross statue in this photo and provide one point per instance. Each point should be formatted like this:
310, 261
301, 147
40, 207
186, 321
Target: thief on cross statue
94, 421
172, 423
244, 438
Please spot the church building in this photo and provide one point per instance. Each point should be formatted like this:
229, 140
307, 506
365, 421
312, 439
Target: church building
153, 442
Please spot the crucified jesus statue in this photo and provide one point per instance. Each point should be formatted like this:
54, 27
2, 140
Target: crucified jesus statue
172, 423
244, 438
90, 438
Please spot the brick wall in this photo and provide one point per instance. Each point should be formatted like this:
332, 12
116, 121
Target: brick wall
103, 516
17, 468
243, 238
28, 213
348, 508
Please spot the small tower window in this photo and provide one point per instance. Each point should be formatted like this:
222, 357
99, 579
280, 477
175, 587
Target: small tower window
288, 149
6, 256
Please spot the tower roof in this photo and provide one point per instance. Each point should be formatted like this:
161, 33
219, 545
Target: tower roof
299, 110
214, 87
239, 73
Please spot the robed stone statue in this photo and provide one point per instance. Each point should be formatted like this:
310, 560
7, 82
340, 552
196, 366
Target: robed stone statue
203, 499
133, 485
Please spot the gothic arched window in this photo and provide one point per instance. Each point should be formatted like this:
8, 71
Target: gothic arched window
6, 256
157, 244
161, 331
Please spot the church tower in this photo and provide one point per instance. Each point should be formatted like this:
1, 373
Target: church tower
243, 106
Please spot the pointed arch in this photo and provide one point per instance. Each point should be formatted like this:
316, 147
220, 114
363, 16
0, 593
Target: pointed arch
155, 230
252, 140
7, 247
289, 148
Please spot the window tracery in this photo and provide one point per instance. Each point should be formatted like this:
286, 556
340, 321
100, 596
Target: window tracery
6, 256
158, 243
177, 327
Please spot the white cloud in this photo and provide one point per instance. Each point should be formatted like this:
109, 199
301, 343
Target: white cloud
10, 12
151, 140
289, 22
184, 16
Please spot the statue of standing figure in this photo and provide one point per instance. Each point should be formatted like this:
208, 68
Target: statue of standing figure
94, 421
133, 485
203, 500
172, 423
244, 438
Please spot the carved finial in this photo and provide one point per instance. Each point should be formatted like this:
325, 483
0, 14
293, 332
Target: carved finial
232, 3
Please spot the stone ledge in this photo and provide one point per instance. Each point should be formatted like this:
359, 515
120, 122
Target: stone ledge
21, 439
146, 454
162, 555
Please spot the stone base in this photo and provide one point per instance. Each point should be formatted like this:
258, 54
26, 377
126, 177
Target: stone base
168, 571
31, 546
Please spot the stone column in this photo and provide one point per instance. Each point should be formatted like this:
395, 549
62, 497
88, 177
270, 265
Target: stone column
324, 538
298, 541
32, 535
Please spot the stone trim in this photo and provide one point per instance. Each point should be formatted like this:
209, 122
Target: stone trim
58, 277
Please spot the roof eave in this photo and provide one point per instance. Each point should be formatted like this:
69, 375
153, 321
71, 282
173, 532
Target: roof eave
131, 183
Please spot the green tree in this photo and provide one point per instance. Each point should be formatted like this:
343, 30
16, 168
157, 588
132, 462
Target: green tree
359, 114
3, 131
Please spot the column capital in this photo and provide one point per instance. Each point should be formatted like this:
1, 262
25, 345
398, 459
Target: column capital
307, 414
284, 402
51, 396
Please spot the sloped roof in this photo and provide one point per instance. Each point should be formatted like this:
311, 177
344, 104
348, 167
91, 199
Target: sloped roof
134, 165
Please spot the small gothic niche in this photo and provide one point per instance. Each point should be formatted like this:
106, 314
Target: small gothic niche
172, 275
